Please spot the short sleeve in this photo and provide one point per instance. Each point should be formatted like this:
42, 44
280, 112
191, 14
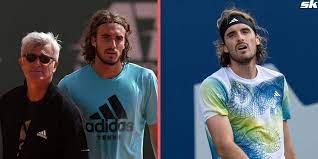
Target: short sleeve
213, 98
151, 99
286, 102
62, 86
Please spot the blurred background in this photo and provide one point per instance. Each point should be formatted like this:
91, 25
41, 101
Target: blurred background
188, 30
67, 19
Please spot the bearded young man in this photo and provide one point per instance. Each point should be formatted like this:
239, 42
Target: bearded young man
245, 106
116, 97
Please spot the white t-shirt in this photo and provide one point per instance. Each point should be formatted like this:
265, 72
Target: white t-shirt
255, 108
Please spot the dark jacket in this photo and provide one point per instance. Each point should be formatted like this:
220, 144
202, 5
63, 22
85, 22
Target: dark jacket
55, 130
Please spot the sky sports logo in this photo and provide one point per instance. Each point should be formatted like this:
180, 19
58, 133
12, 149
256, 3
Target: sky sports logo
308, 4
112, 121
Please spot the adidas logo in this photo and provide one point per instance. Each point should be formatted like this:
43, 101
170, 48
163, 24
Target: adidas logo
85, 150
114, 118
276, 94
119, 112
42, 134
233, 20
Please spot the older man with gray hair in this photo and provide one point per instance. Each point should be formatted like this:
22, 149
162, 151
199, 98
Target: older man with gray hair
37, 121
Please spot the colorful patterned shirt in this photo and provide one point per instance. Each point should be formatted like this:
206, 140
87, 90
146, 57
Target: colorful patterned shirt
255, 108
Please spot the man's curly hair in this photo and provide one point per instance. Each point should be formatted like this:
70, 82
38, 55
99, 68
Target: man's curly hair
224, 58
99, 18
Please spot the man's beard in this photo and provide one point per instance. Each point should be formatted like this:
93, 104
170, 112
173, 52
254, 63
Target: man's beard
107, 62
242, 61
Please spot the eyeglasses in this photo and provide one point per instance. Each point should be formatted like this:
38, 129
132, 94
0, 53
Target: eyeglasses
44, 59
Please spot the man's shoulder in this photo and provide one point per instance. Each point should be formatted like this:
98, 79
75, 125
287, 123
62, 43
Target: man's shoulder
212, 82
79, 72
218, 76
139, 70
13, 93
10, 99
75, 75
216, 80
137, 67
269, 72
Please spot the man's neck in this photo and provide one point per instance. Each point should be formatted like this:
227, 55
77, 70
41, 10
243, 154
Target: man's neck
247, 71
107, 71
37, 90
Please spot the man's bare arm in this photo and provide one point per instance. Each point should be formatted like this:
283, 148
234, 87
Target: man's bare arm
222, 135
289, 150
153, 130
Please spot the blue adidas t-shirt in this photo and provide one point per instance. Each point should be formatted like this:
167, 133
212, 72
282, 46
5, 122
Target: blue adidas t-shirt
115, 110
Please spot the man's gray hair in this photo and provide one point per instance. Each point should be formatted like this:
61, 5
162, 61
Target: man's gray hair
34, 39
